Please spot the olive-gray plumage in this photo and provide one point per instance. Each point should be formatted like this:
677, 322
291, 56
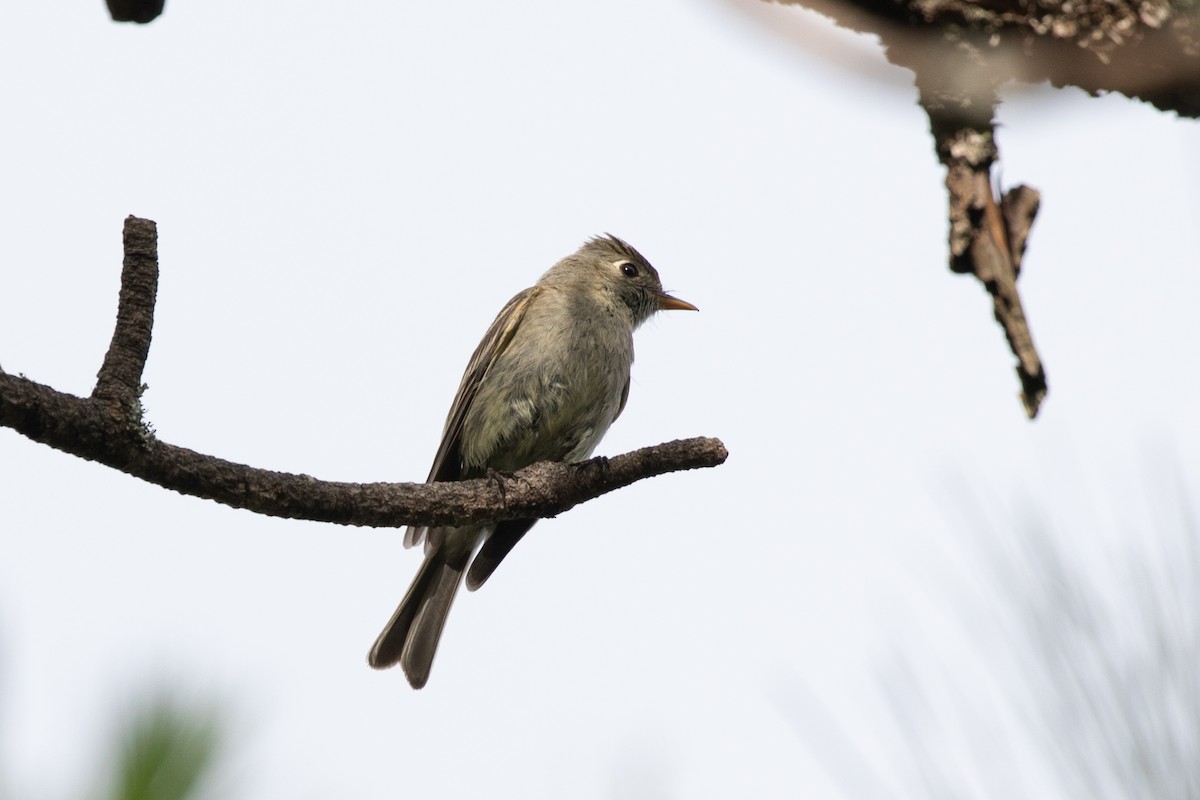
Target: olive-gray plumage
549, 377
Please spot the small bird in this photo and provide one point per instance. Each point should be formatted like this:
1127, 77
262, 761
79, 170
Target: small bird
549, 377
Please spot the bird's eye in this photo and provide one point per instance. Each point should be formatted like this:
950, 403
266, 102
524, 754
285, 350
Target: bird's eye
629, 270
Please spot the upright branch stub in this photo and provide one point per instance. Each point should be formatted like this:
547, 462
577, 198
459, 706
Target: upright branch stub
120, 377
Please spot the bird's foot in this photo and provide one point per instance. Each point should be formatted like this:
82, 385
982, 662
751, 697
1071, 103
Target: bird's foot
499, 478
599, 463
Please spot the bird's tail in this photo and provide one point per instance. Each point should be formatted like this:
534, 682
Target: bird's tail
411, 636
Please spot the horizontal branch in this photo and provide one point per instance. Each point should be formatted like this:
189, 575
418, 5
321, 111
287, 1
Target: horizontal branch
86, 428
108, 428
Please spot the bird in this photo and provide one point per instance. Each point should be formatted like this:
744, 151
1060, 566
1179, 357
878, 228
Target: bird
548, 379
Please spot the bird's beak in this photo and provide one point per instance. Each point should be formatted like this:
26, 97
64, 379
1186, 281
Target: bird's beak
668, 303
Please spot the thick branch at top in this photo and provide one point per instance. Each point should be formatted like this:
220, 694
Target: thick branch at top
1145, 49
108, 428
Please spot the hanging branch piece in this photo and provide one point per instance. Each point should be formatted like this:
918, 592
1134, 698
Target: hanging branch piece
987, 239
987, 236
109, 428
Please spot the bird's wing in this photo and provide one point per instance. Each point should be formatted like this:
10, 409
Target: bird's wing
624, 399
447, 464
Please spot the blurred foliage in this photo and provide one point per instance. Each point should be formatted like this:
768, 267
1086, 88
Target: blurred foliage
167, 753
1065, 665
1088, 680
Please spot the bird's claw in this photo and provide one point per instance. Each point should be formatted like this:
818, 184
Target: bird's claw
498, 477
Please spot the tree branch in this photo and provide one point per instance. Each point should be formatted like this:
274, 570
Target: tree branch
108, 428
961, 52
142, 11
987, 237
120, 377
1145, 49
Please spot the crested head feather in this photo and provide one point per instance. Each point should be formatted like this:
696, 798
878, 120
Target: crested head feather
596, 268
611, 245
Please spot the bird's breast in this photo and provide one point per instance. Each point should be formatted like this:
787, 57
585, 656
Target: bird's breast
550, 397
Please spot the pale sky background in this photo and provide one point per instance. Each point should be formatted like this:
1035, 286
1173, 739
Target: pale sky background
345, 198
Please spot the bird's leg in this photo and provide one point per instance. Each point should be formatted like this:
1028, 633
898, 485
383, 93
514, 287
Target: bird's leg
498, 477
599, 462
